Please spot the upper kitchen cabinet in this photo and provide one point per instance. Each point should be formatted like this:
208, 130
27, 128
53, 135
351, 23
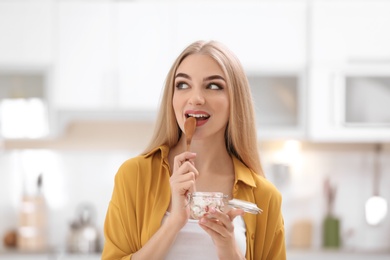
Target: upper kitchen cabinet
112, 57
269, 38
349, 105
279, 101
143, 53
350, 32
349, 71
26, 29
265, 35
84, 72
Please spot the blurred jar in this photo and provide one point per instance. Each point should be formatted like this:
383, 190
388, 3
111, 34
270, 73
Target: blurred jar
32, 228
201, 202
83, 235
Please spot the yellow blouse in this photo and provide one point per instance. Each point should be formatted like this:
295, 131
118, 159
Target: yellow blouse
142, 194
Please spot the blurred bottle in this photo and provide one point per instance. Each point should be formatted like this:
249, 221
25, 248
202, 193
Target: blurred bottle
32, 228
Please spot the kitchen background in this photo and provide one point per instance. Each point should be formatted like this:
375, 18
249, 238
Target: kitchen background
80, 82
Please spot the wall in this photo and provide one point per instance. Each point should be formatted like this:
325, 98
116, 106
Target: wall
350, 168
81, 167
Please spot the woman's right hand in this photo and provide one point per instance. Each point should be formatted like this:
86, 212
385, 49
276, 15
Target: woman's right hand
182, 182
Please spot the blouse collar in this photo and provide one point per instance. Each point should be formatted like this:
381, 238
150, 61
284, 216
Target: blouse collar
242, 172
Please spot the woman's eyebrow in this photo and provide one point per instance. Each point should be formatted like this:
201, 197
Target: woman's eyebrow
214, 77
183, 75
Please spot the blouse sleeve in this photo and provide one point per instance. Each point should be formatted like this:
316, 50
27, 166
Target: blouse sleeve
115, 239
120, 219
278, 248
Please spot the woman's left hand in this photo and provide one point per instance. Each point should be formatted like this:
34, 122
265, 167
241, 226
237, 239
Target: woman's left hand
219, 225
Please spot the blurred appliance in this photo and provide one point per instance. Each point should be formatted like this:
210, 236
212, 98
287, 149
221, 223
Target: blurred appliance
83, 235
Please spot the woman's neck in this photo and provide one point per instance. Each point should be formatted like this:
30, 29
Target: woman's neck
209, 151
214, 163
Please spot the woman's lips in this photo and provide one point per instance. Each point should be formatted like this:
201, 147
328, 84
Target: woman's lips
201, 121
201, 117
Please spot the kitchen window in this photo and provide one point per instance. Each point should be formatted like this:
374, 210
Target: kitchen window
23, 108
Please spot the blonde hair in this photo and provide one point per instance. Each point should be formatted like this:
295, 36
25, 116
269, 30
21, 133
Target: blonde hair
240, 135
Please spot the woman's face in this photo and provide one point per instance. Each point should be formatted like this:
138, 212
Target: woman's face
201, 91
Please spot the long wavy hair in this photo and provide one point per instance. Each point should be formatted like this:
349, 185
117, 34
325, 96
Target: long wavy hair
240, 134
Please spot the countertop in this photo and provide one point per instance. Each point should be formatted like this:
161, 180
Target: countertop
16, 255
335, 255
291, 255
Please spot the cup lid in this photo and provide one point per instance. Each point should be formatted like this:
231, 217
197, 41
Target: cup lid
245, 205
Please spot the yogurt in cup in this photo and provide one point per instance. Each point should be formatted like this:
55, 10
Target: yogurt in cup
201, 202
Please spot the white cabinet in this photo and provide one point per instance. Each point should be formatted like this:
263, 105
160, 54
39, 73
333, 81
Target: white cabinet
269, 38
144, 38
84, 76
279, 101
349, 71
26, 29
112, 56
349, 31
349, 105
263, 34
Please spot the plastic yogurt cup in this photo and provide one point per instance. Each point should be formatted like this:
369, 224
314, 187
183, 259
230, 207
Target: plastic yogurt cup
201, 202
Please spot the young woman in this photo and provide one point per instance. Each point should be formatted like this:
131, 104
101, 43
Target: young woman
148, 216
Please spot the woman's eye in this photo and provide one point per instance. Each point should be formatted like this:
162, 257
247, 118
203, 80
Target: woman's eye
182, 85
214, 86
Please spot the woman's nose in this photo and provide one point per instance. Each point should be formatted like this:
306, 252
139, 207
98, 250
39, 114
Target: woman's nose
197, 98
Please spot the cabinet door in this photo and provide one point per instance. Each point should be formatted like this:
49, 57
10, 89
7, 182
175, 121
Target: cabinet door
83, 73
350, 31
348, 78
279, 105
269, 39
26, 33
145, 33
264, 35
349, 106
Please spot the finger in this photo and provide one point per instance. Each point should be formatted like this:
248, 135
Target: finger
182, 158
185, 187
221, 219
186, 169
186, 180
234, 213
183, 178
214, 227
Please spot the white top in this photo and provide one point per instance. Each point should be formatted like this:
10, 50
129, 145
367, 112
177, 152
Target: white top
194, 243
